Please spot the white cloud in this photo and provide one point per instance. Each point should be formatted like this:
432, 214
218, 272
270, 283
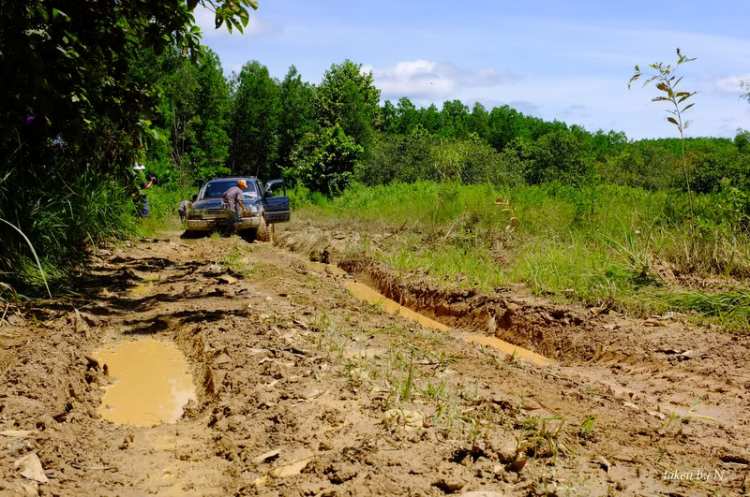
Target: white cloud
206, 20
732, 84
427, 79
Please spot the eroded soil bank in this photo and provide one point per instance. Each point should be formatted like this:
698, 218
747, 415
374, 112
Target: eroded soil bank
302, 389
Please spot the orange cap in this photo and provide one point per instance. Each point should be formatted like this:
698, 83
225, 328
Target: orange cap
241, 183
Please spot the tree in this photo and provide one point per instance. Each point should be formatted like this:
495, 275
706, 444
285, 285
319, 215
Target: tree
479, 120
742, 140
255, 117
454, 116
430, 118
297, 116
210, 154
667, 82
560, 155
388, 118
325, 160
76, 113
348, 98
192, 116
408, 116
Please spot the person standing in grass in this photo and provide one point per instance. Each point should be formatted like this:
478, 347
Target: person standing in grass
142, 185
233, 203
182, 210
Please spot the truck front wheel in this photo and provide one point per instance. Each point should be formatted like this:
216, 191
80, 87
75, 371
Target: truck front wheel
264, 232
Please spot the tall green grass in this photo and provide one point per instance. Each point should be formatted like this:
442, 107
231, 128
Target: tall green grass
610, 244
163, 202
62, 218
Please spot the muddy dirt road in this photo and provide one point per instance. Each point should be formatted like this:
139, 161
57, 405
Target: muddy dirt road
297, 387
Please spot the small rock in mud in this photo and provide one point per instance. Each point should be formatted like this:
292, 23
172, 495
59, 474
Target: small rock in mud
226, 280
603, 462
31, 467
409, 420
687, 355
449, 485
517, 466
18, 448
506, 451
322, 446
268, 456
339, 474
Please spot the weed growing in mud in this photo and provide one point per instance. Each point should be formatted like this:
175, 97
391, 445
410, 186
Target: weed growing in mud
586, 430
676, 420
328, 337
233, 261
434, 392
540, 437
404, 389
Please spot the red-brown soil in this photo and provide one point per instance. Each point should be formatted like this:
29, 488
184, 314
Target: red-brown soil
304, 390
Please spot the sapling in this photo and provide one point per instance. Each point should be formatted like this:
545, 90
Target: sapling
667, 82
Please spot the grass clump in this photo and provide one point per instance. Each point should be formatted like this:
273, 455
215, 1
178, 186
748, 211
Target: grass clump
610, 244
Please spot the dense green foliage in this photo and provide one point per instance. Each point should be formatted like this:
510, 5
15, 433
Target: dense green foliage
94, 87
78, 95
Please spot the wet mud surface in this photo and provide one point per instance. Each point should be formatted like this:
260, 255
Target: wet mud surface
303, 389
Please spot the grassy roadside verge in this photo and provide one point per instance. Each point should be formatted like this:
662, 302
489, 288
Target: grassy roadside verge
163, 203
610, 245
66, 233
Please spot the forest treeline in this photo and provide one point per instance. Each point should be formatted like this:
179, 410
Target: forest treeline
91, 88
326, 135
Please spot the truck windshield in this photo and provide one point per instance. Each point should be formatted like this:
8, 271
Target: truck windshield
217, 189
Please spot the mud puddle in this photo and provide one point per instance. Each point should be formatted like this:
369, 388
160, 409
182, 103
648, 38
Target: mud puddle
364, 292
511, 350
153, 383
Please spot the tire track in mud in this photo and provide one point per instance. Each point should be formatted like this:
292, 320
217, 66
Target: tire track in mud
302, 390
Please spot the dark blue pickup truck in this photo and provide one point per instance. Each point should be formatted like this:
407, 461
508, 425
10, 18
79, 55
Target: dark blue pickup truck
266, 205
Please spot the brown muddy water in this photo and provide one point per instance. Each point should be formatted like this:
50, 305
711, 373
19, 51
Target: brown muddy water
153, 382
364, 292
510, 349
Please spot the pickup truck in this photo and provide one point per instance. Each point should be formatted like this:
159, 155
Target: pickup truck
266, 205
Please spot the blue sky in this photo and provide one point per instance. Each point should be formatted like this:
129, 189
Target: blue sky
556, 60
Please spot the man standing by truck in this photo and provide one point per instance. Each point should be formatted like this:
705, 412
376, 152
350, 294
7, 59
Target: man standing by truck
233, 202
140, 198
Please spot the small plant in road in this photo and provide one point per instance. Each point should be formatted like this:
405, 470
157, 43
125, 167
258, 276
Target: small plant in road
667, 82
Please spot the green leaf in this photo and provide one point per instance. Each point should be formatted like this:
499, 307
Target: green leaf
673, 121
192, 4
660, 99
56, 14
244, 17
637, 69
687, 107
